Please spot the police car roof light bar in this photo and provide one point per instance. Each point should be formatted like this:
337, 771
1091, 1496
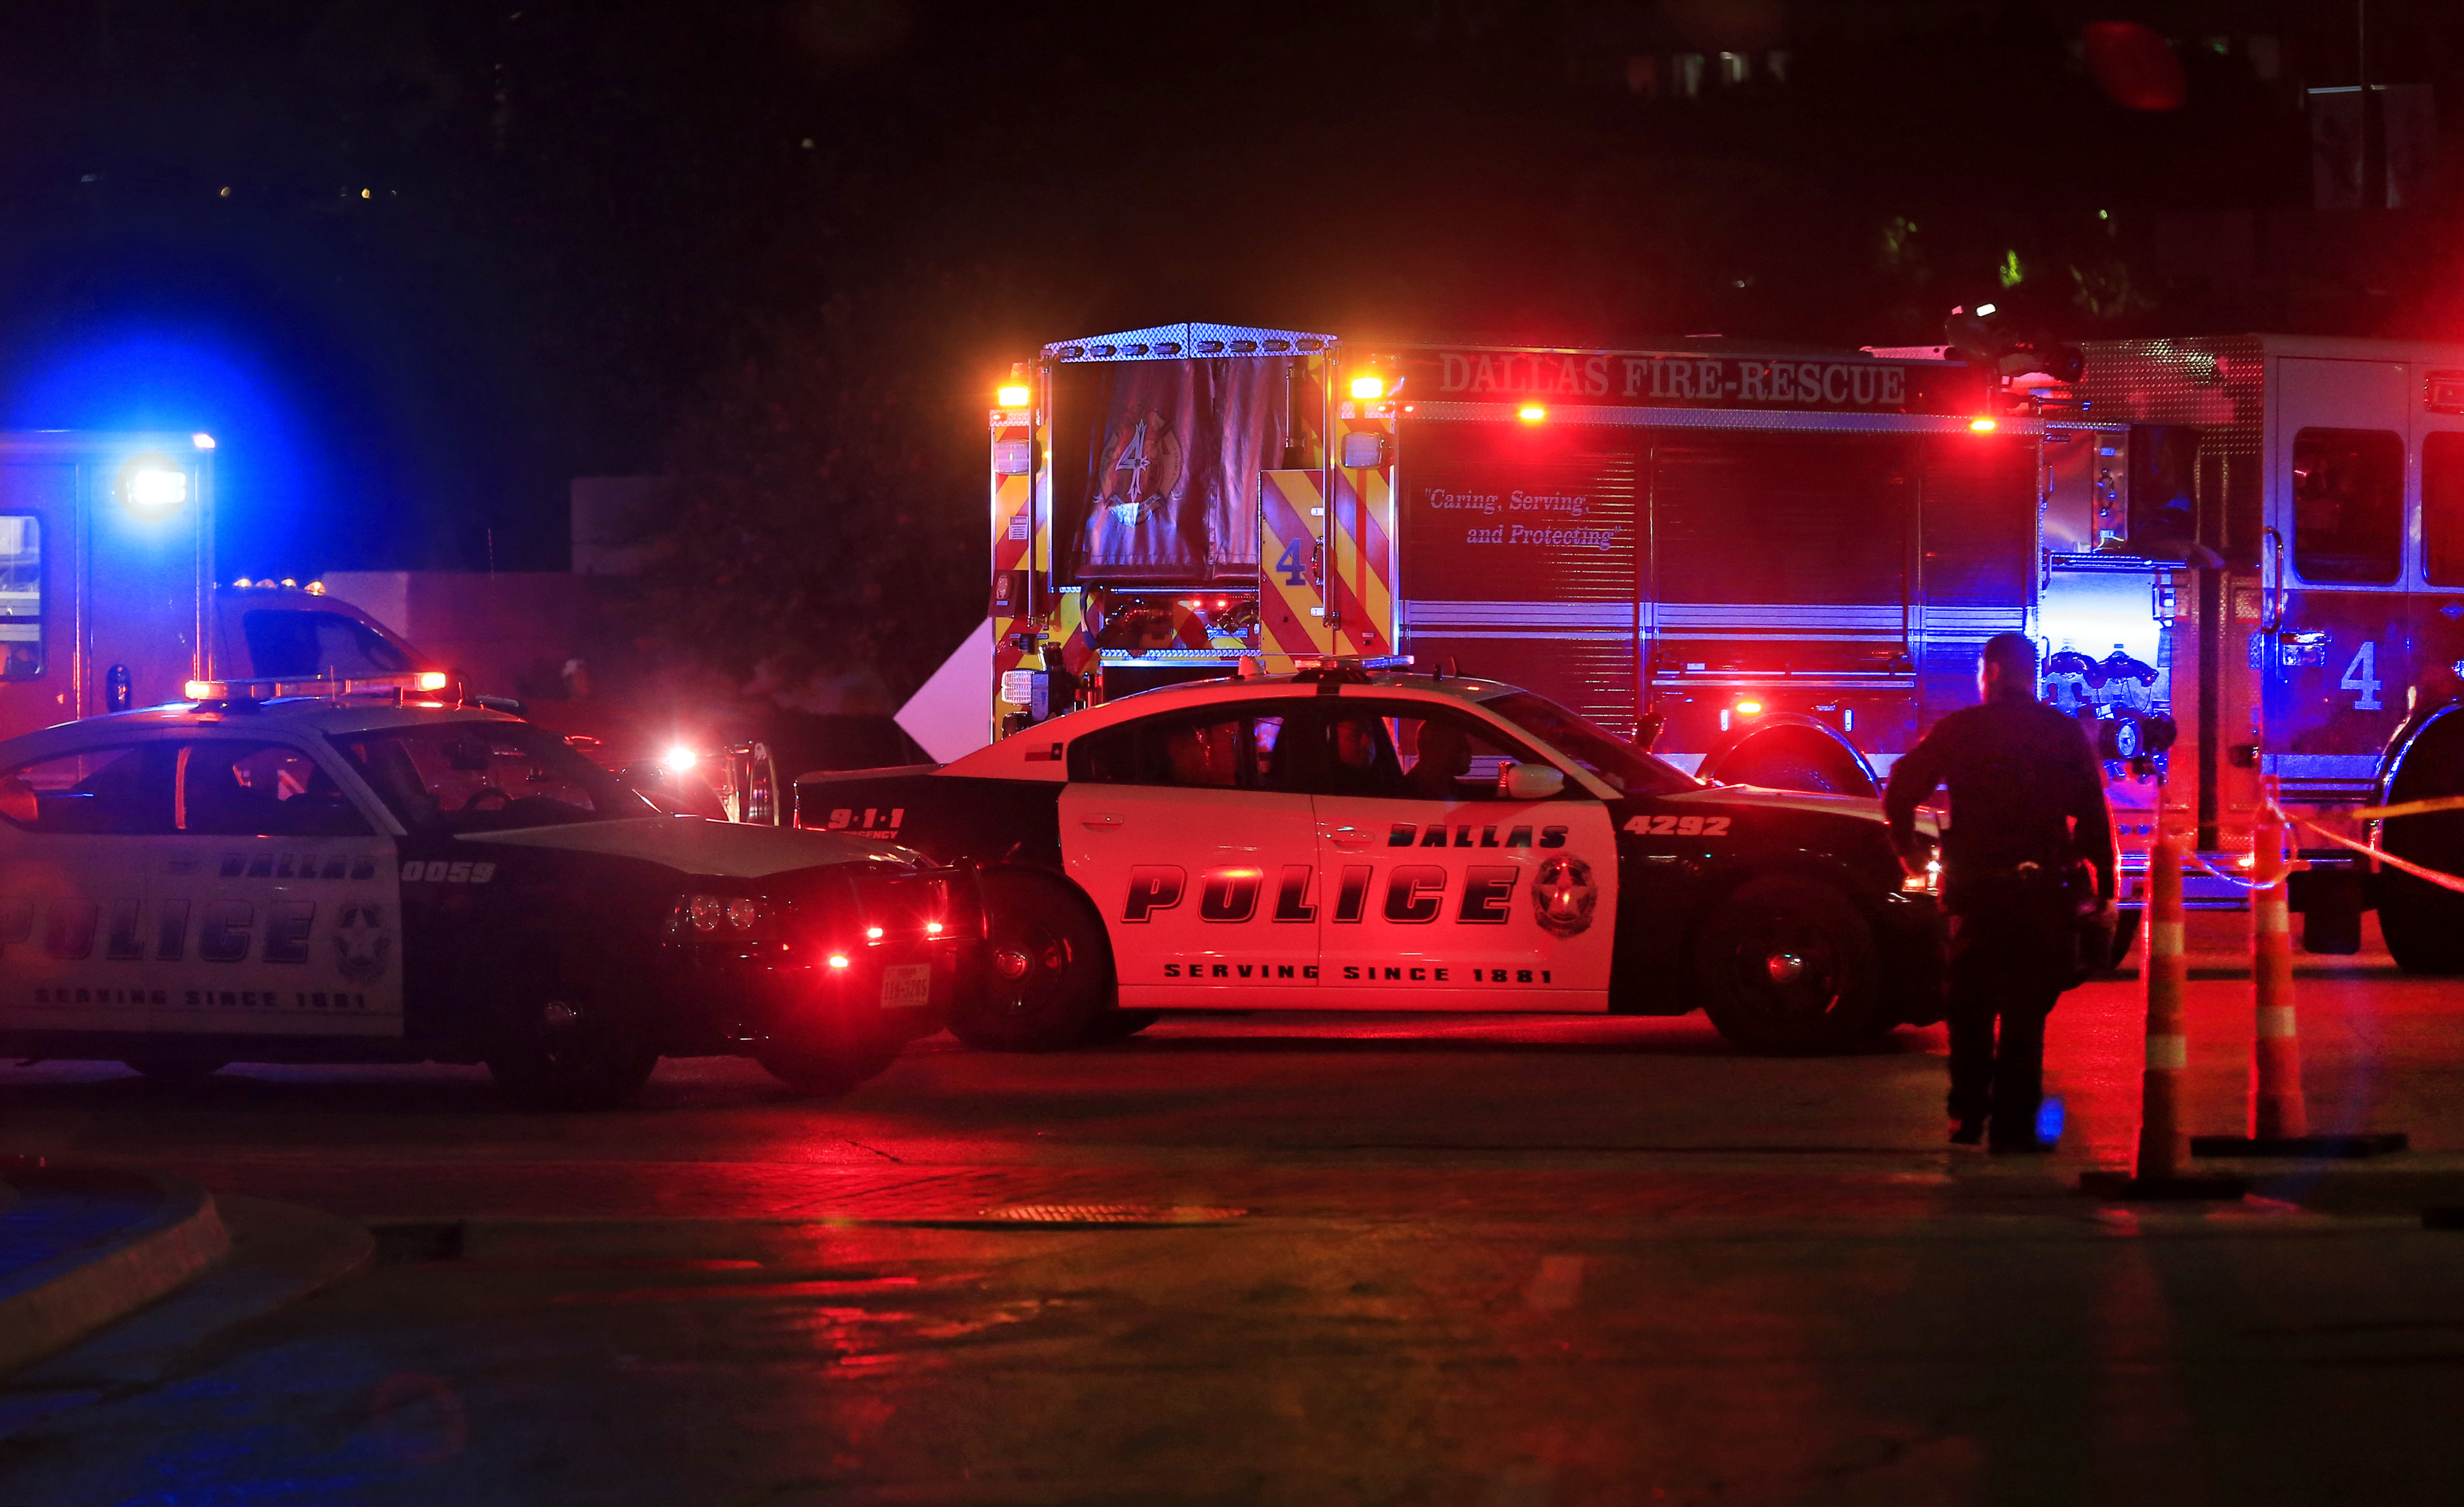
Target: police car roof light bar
248, 693
1336, 669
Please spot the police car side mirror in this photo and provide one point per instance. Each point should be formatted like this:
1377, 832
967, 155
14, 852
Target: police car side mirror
1530, 781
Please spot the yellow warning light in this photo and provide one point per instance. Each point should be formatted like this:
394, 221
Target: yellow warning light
1531, 414
1015, 394
1368, 389
1983, 426
1750, 709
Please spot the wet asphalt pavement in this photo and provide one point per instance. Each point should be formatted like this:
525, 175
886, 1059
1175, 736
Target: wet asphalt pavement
1256, 1259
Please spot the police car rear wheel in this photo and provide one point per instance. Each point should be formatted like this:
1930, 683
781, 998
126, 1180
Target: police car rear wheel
1788, 965
571, 1036
1047, 975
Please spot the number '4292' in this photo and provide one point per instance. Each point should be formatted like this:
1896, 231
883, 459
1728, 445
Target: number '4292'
1666, 825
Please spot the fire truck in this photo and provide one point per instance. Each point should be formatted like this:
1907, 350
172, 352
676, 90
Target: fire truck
2303, 500
2243, 558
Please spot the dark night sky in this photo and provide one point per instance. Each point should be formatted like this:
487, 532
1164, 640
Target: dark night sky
420, 261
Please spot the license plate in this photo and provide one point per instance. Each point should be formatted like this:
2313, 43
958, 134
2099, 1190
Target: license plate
907, 986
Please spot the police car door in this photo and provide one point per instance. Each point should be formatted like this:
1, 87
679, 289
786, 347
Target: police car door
1441, 894
1180, 828
195, 885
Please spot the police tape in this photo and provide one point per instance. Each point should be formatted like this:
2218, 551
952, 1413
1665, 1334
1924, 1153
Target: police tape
2235, 880
2444, 881
2436, 802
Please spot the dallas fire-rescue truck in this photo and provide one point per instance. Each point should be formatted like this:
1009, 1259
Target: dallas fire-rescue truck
1775, 566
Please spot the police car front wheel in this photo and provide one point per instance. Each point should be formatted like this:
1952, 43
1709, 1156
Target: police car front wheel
1786, 964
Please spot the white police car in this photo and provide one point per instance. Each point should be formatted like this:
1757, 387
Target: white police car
338, 872
1342, 841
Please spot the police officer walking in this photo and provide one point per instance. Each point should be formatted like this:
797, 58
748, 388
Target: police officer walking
2027, 812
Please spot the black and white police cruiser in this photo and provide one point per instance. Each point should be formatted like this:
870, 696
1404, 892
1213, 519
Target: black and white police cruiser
338, 871
1340, 839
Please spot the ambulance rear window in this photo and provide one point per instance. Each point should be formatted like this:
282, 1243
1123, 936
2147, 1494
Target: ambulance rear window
21, 596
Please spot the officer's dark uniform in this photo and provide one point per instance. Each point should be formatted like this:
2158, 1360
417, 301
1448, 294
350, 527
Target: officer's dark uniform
2024, 791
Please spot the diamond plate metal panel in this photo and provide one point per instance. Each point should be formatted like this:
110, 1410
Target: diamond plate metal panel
1181, 342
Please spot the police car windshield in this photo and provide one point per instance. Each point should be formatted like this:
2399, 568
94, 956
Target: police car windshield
1594, 747
484, 776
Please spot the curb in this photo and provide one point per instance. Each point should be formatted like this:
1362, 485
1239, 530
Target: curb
50, 1306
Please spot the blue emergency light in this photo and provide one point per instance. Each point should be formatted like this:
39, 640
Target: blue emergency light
156, 491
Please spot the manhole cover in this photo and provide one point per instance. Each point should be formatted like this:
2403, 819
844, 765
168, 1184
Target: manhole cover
1111, 1214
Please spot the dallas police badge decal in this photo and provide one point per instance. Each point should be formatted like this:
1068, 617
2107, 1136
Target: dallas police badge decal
362, 946
1563, 896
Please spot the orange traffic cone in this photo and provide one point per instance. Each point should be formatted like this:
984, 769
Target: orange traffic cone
2279, 1120
2167, 971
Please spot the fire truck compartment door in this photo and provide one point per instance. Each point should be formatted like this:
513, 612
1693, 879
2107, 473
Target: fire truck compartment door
2338, 668
1291, 561
1205, 893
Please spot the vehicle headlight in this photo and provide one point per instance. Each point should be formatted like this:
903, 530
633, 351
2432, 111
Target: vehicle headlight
739, 917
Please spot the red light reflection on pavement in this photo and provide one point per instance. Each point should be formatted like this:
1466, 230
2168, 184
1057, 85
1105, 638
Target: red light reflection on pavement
2096, 1045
